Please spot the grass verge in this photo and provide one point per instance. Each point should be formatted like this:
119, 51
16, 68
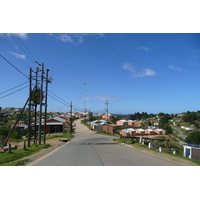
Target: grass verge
135, 143
64, 135
7, 157
15, 157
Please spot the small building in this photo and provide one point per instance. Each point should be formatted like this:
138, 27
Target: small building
188, 128
134, 123
160, 131
131, 132
78, 115
95, 123
191, 151
107, 117
122, 122
149, 131
131, 122
140, 132
55, 125
108, 128
124, 133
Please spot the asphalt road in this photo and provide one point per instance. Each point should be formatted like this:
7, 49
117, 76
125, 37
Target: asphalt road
180, 133
90, 149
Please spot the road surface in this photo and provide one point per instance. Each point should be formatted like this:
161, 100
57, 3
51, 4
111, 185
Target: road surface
180, 133
91, 149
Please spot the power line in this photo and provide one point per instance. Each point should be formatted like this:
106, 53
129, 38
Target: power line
33, 60
64, 102
13, 92
58, 97
14, 66
14, 88
13, 50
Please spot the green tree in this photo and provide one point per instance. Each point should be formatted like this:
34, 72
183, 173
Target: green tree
16, 135
193, 137
168, 128
164, 120
190, 117
4, 131
160, 114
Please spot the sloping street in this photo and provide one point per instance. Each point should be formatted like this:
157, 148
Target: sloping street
90, 149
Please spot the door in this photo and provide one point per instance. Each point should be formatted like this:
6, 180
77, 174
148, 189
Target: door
188, 152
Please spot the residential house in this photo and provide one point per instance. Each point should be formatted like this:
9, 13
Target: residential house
66, 117
95, 123
149, 131
78, 115
55, 125
188, 128
124, 133
122, 122
191, 151
140, 132
108, 117
108, 128
159, 131
131, 132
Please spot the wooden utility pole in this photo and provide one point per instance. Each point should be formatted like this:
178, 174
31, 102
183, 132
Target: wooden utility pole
35, 122
41, 98
107, 108
107, 112
29, 108
70, 126
45, 115
15, 123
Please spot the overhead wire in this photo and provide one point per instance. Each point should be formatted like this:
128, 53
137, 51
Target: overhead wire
33, 60
60, 100
14, 87
14, 66
58, 81
14, 50
13, 92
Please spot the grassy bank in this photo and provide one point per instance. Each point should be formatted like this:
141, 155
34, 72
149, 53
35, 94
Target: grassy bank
7, 158
135, 143
14, 158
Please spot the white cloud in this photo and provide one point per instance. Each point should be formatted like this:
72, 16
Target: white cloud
102, 98
20, 35
17, 55
135, 73
76, 38
175, 68
65, 38
144, 48
147, 72
129, 67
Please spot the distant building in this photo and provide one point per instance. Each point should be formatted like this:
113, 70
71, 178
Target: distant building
134, 123
108, 117
122, 122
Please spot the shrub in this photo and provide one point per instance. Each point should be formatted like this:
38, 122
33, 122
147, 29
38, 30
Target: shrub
193, 137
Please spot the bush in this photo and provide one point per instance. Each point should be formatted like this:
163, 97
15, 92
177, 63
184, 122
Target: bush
168, 147
193, 137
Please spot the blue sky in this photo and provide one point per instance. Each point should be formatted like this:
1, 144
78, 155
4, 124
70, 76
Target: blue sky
135, 72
